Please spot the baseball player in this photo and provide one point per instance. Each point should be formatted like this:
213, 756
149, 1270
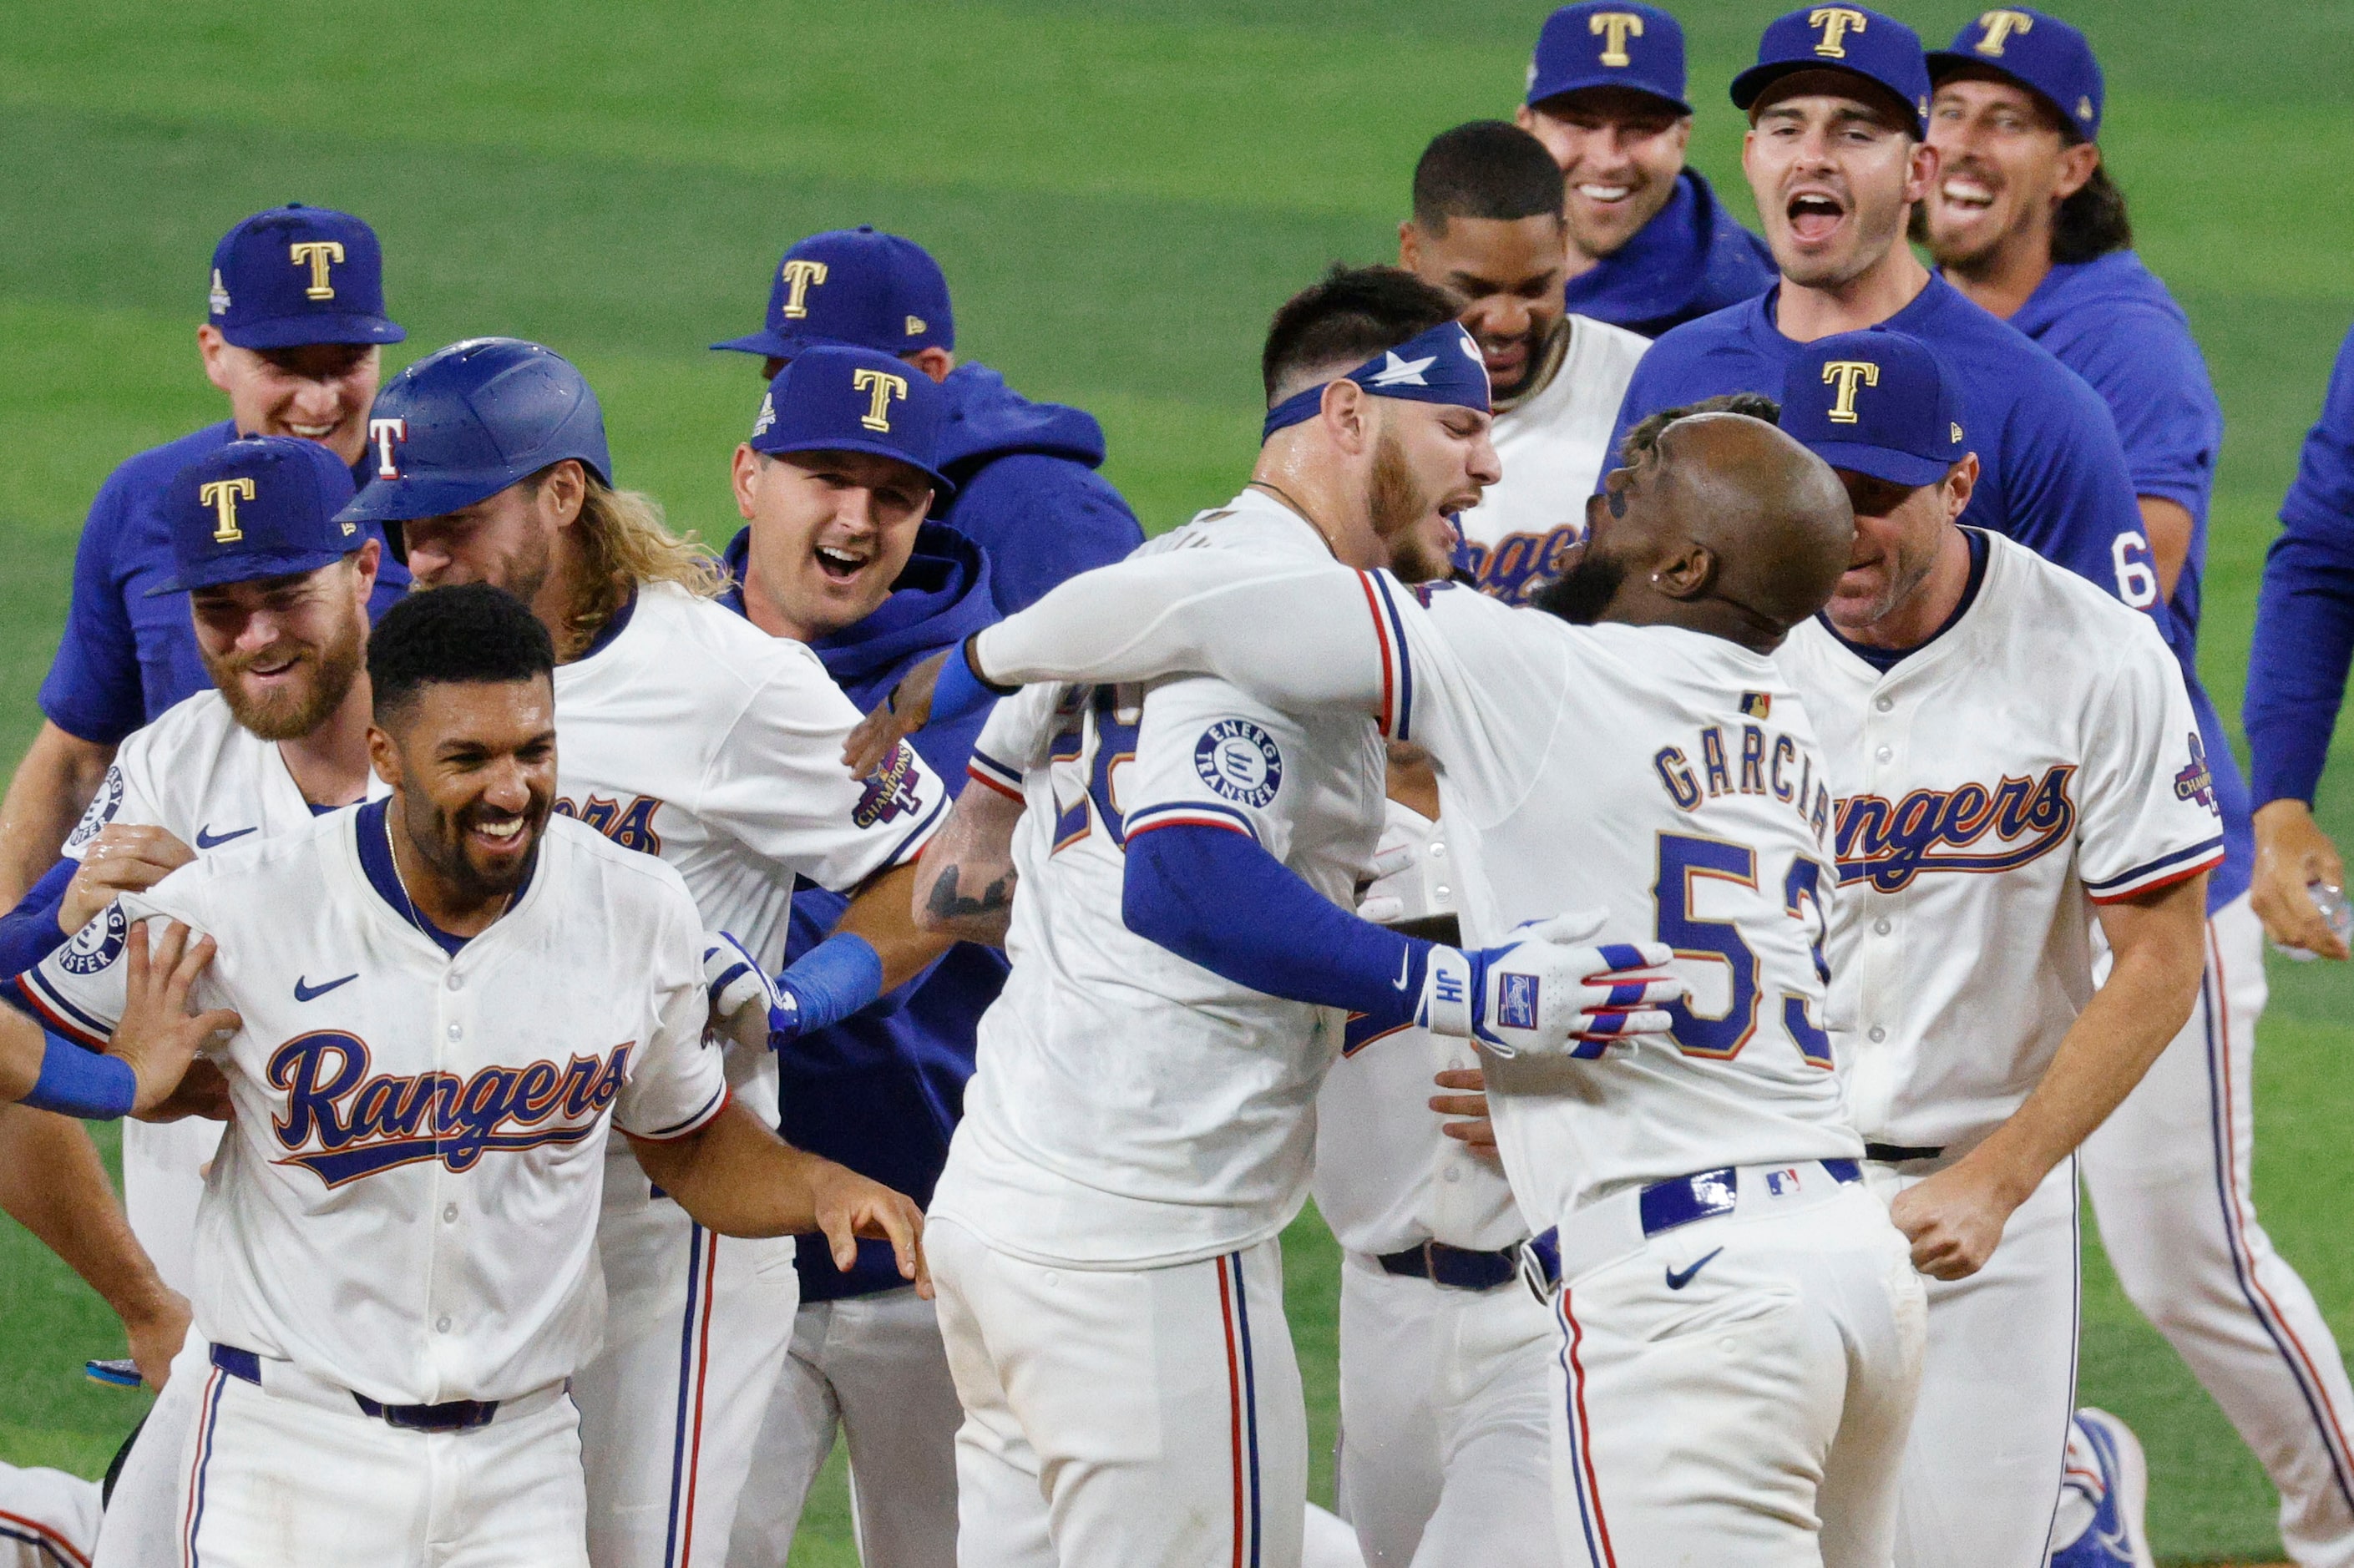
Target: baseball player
1650, 246
2297, 675
2006, 743
2024, 219
396, 1250
48, 1518
294, 320
1027, 490
839, 555
278, 593
1486, 229
1706, 1187
689, 734
1837, 102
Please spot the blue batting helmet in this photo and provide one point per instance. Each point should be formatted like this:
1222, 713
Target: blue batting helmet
465, 422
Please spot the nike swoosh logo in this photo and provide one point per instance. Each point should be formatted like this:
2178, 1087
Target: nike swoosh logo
307, 993
1678, 1281
206, 839
1405, 963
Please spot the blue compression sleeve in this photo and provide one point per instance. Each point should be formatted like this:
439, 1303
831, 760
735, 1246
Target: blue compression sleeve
1220, 900
79, 1083
29, 933
959, 690
832, 980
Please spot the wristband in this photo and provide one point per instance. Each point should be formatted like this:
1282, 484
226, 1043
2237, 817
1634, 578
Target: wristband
960, 689
79, 1083
1452, 982
828, 982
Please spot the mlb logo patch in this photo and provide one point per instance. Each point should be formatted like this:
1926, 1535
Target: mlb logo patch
1781, 1183
1516, 1003
1756, 705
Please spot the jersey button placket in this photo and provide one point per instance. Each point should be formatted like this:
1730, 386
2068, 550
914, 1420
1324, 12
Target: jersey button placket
1880, 989
446, 1244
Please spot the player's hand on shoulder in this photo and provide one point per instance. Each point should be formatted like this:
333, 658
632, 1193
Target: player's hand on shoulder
1551, 990
123, 858
907, 709
157, 1035
1468, 1100
2292, 853
1954, 1219
850, 1206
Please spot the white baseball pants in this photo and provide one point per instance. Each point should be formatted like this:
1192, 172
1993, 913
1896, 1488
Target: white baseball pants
1981, 1478
695, 1330
290, 1473
872, 1369
142, 1525
1736, 1390
1446, 1435
2168, 1178
1116, 1417
48, 1518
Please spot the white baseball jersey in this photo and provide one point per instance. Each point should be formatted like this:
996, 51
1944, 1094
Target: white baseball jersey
688, 733
201, 777
1131, 1108
406, 1201
1553, 444
1668, 778
2038, 752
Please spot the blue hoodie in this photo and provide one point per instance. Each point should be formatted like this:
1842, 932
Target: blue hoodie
1027, 489
882, 1090
1692, 257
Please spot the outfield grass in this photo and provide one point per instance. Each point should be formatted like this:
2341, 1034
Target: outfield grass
1120, 192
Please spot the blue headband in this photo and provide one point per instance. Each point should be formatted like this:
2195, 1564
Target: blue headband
1442, 365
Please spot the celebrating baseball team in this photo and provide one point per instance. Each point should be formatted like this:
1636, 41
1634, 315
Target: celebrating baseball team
1675, 800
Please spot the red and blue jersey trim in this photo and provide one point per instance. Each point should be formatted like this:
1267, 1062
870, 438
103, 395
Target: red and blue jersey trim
1190, 814
1396, 715
29, 994
2163, 871
983, 769
695, 1123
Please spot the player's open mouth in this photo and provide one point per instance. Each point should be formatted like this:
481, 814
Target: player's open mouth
1814, 216
498, 834
840, 565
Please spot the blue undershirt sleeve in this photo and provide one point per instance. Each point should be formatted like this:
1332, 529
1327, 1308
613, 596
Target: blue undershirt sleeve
1219, 899
29, 932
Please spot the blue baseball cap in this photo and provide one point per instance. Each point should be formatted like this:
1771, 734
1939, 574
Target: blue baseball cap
466, 422
833, 398
1605, 45
294, 275
855, 287
1878, 402
2041, 53
261, 507
1865, 43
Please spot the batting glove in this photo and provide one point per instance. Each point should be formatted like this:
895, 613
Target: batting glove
747, 1005
1549, 992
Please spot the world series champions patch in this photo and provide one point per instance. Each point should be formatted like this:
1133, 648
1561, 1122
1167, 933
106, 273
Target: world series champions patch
891, 793
1240, 761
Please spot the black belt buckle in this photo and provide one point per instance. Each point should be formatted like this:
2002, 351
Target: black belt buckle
457, 1416
1453, 1267
1900, 1153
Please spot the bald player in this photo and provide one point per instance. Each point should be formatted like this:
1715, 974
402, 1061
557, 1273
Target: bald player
1487, 230
1650, 245
1657, 768
2024, 218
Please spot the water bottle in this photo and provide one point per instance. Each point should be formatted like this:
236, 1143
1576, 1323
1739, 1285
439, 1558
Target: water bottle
2331, 899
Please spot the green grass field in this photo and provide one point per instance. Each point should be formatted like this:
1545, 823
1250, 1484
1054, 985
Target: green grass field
1120, 193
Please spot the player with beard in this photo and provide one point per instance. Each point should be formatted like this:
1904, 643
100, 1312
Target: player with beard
690, 735
2024, 218
1837, 104
1650, 246
278, 594
1487, 230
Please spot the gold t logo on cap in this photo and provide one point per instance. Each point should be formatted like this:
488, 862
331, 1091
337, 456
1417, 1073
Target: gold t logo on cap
318, 253
1847, 375
880, 386
799, 278
1997, 25
222, 495
1836, 22
1613, 28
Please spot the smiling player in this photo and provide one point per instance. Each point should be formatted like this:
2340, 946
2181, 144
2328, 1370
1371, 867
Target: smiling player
1650, 246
